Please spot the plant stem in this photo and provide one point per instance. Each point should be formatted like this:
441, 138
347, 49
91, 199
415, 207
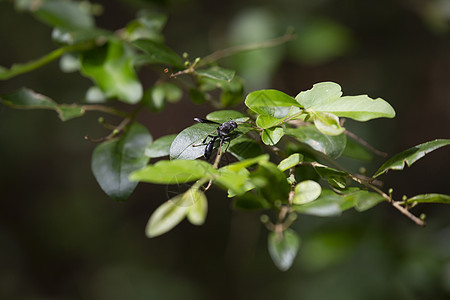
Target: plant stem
365, 144
18, 69
220, 54
105, 109
395, 204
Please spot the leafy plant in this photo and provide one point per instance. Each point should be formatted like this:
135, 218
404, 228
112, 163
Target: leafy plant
284, 148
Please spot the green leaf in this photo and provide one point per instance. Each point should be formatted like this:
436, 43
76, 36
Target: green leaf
69, 111
332, 146
410, 156
321, 93
67, 14
147, 26
327, 123
306, 191
290, 161
237, 166
157, 53
198, 210
326, 97
335, 177
327, 172
364, 200
283, 248
430, 198
188, 143
217, 73
174, 171
250, 201
160, 147
28, 99
244, 147
327, 205
111, 68
156, 97
196, 96
272, 136
270, 182
270, 102
113, 161
167, 216
232, 92
237, 183
221, 116
266, 121
355, 150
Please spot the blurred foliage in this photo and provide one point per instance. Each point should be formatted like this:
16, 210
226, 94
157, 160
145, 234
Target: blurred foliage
62, 238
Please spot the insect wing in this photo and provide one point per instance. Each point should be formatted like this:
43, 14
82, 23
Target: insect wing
200, 120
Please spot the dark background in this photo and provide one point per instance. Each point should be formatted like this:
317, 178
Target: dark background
61, 237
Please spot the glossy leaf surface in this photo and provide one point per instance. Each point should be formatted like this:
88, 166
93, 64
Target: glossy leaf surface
332, 146
160, 147
326, 97
113, 161
272, 136
157, 53
430, 198
174, 171
410, 156
28, 99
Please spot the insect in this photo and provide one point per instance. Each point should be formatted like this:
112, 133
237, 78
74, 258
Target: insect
223, 134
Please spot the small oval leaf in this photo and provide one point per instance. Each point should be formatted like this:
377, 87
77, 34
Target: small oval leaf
327, 123
283, 248
166, 217
306, 191
290, 161
272, 136
270, 102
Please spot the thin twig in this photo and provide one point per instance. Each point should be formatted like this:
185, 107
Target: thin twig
129, 117
406, 212
396, 204
220, 54
113, 133
365, 144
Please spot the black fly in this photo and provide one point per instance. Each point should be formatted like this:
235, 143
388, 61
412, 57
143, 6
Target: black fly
223, 134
